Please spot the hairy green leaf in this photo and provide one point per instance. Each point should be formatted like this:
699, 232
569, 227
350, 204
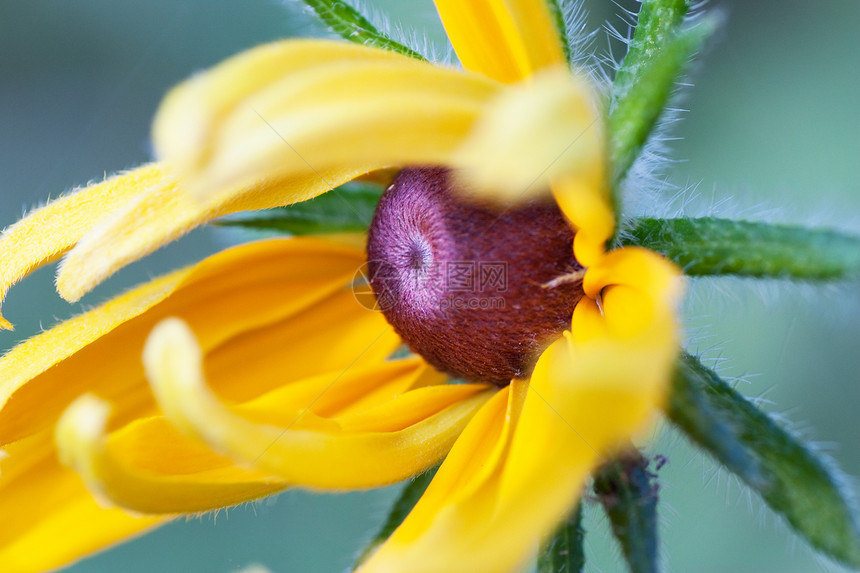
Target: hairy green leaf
564, 553
349, 24
660, 47
791, 478
628, 493
346, 209
710, 246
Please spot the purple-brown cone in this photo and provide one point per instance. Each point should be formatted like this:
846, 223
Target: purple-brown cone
463, 284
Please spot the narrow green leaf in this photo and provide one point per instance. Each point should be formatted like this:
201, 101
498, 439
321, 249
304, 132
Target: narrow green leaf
401, 508
658, 51
346, 209
711, 246
656, 23
557, 11
564, 553
628, 493
792, 479
349, 24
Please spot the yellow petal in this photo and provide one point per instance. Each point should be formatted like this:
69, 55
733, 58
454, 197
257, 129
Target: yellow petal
533, 134
636, 267
311, 451
281, 119
340, 393
587, 208
50, 519
334, 334
638, 291
164, 213
232, 296
48, 232
507, 40
187, 120
515, 474
191, 478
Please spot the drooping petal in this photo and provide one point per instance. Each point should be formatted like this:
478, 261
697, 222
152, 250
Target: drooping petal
380, 446
49, 518
164, 213
507, 40
502, 491
50, 231
187, 121
240, 294
534, 134
290, 112
148, 467
514, 474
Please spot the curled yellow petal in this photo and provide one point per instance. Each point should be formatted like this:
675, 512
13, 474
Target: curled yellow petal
284, 119
638, 292
532, 135
191, 479
507, 40
50, 231
517, 471
637, 267
235, 296
49, 518
310, 450
587, 208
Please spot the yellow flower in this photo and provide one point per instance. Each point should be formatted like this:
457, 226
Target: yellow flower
260, 370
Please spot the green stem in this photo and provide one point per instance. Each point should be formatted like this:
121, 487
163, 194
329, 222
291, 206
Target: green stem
658, 52
401, 508
710, 246
628, 492
564, 553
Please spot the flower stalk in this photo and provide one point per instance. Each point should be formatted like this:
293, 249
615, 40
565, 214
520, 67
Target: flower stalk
629, 494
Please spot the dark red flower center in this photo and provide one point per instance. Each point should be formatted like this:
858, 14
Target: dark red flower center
465, 285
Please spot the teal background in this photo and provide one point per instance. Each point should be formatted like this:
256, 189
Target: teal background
772, 132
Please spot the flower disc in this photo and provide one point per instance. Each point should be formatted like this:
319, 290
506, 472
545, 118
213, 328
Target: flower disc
464, 284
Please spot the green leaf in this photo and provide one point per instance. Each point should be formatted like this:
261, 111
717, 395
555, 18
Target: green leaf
657, 21
628, 493
564, 552
557, 11
710, 246
349, 24
658, 51
791, 478
401, 508
348, 208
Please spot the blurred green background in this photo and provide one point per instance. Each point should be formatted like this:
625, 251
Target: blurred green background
772, 132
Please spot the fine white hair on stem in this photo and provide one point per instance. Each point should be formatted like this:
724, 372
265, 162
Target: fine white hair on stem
646, 184
581, 43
